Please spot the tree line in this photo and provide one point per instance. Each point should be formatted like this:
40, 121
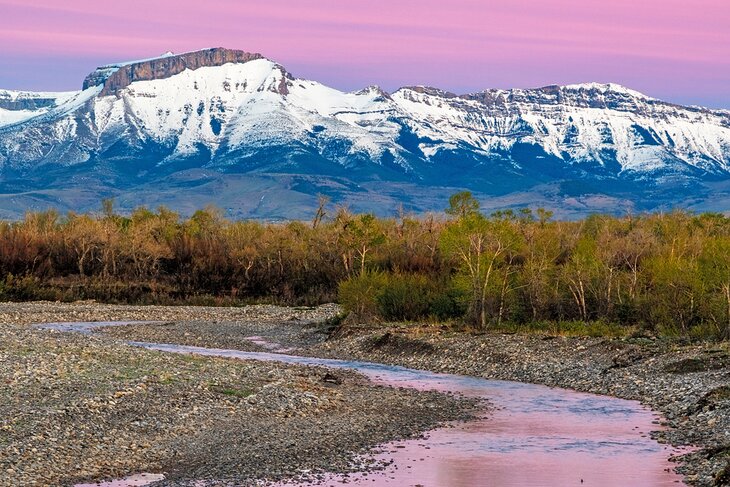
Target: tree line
665, 272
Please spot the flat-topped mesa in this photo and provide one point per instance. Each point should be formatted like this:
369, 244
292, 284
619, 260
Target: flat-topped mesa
116, 77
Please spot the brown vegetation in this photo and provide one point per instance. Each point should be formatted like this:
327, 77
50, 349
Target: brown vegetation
667, 273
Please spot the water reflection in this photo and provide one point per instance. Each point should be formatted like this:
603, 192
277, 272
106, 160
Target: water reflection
535, 436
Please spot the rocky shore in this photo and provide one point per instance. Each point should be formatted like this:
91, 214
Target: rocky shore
689, 385
79, 408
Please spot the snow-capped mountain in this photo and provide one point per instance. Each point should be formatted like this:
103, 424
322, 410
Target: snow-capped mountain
236, 129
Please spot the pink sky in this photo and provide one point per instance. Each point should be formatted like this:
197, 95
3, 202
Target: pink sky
671, 49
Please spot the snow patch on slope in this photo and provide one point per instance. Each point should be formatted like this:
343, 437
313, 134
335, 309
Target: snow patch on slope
63, 103
640, 140
242, 104
607, 87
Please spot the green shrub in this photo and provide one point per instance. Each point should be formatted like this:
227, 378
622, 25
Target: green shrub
23, 288
399, 297
596, 328
406, 297
707, 331
449, 303
359, 294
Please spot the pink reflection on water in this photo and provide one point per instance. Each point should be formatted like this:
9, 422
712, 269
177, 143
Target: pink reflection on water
535, 436
133, 481
499, 451
268, 345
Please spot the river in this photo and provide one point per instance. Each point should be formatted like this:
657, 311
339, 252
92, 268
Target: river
531, 435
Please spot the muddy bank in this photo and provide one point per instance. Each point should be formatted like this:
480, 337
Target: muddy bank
77, 408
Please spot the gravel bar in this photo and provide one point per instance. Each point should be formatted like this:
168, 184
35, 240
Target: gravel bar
688, 385
77, 408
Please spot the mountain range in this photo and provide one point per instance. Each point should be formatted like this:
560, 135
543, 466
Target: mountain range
237, 130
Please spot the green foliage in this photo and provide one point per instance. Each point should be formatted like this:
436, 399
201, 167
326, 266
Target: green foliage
405, 297
398, 297
714, 271
485, 250
704, 331
664, 273
462, 204
448, 303
411, 297
359, 294
571, 328
22, 288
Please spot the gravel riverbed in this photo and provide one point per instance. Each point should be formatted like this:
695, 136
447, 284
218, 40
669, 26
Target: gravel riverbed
689, 385
78, 408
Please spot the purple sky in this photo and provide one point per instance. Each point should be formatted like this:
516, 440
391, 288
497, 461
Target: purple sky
678, 50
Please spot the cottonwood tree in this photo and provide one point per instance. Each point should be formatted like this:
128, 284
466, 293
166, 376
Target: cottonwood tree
580, 272
480, 246
243, 243
359, 236
539, 270
82, 236
147, 240
462, 204
677, 289
321, 212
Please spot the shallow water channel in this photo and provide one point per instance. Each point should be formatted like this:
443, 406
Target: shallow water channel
534, 436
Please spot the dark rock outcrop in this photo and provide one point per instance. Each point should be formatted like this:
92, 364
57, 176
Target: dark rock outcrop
25, 103
586, 96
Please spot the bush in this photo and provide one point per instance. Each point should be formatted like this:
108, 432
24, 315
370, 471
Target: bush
399, 297
411, 297
359, 294
23, 288
597, 328
707, 331
406, 297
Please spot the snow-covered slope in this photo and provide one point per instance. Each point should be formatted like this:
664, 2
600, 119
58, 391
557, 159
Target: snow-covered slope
240, 113
589, 123
24, 106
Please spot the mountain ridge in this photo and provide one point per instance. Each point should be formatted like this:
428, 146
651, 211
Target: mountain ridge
241, 117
